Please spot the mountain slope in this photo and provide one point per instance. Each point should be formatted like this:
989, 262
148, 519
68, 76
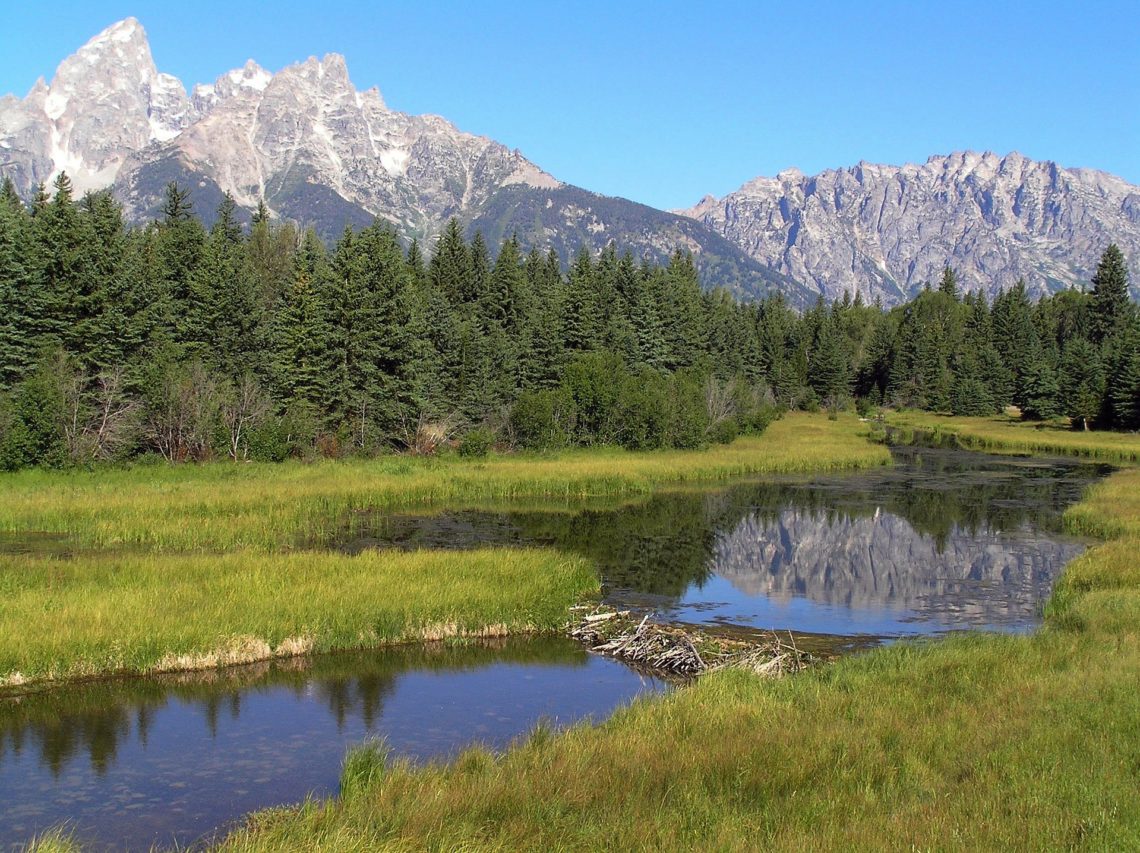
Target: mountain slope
886, 230
318, 151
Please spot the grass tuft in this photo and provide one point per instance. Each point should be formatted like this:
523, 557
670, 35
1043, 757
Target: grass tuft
363, 767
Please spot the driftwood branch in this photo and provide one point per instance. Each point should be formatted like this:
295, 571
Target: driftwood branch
683, 651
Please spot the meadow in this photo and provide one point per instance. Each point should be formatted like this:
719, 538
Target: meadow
160, 568
972, 742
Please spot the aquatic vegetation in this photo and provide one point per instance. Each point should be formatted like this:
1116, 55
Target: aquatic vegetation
971, 742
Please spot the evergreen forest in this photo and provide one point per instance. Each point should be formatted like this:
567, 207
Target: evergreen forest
176, 342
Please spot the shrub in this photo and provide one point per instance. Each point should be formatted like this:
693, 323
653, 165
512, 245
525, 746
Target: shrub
594, 382
476, 443
543, 420
689, 419
643, 411
724, 432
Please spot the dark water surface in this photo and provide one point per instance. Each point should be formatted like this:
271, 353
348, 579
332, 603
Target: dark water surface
944, 540
135, 762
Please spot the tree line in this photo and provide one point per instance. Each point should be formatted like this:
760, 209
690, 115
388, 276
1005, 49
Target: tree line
187, 343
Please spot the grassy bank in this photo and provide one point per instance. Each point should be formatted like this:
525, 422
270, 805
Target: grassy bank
102, 614
1002, 433
223, 506
158, 568
974, 742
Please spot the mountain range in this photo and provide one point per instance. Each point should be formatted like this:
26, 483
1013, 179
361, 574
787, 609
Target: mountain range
316, 150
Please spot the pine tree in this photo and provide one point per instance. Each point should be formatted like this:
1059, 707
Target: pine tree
59, 239
686, 333
17, 310
181, 240
829, 375
1015, 336
224, 306
300, 337
1123, 388
1109, 307
1039, 390
581, 321
948, 284
1081, 382
450, 267
106, 305
969, 395
542, 360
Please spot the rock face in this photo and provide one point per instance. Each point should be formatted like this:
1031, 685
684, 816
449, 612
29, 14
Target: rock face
318, 151
886, 230
104, 103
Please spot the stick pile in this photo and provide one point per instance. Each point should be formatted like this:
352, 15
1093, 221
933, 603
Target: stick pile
682, 651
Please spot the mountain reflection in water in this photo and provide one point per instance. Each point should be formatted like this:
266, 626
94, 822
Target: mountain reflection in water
942, 540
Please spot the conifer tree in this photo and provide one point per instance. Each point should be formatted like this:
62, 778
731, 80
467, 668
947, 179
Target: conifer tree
1039, 390
1080, 383
686, 333
948, 284
1122, 396
300, 336
17, 326
1109, 306
581, 323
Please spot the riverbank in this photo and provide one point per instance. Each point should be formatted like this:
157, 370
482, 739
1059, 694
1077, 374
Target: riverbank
270, 506
164, 568
1005, 434
106, 615
971, 742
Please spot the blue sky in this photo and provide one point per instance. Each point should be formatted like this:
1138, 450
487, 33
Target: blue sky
665, 102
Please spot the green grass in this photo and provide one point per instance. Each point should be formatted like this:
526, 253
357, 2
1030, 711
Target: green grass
64, 618
1002, 433
976, 742
222, 506
159, 568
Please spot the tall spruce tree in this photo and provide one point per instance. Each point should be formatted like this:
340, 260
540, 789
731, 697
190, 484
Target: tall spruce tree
1109, 307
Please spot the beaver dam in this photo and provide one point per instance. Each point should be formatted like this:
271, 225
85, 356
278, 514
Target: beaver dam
683, 651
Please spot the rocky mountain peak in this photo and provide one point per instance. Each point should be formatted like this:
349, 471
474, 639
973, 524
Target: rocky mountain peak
886, 230
105, 102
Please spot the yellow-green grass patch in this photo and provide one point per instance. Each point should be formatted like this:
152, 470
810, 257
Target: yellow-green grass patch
63, 618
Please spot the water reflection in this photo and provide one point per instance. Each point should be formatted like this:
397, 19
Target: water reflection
130, 763
942, 540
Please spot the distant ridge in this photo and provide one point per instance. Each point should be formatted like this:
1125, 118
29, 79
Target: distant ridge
886, 230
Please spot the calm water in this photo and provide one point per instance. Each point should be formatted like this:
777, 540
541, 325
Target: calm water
134, 762
944, 540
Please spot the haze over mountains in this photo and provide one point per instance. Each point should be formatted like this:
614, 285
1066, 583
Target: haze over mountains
319, 151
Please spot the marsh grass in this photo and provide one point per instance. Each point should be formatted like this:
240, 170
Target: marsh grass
223, 507
974, 742
363, 767
58, 840
165, 568
1003, 433
67, 618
